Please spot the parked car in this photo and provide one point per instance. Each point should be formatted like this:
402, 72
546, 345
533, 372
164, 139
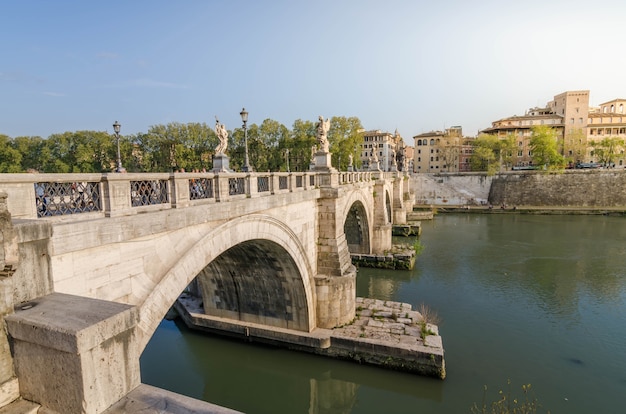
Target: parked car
589, 165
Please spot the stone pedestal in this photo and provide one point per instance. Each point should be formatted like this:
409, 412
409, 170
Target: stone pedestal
221, 164
323, 161
74, 354
374, 165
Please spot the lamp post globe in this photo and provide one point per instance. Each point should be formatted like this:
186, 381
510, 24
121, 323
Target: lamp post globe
116, 128
244, 117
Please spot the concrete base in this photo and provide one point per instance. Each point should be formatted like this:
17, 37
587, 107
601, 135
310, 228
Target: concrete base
74, 354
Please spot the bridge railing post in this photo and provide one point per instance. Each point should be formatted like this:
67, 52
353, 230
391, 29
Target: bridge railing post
252, 183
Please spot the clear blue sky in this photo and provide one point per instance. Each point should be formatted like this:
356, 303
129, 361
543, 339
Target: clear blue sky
412, 65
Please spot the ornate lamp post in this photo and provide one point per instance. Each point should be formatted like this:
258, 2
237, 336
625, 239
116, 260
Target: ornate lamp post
116, 129
244, 117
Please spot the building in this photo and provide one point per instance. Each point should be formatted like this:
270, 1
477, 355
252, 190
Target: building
578, 127
384, 148
442, 151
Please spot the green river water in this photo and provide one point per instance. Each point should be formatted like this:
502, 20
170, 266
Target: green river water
528, 299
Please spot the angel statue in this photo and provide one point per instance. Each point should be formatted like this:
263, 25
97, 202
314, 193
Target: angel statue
222, 135
322, 133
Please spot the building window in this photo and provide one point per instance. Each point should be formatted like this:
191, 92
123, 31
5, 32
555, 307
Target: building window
520, 153
432, 142
419, 159
580, 120
432, 158
520, 143
530, 153
571, 120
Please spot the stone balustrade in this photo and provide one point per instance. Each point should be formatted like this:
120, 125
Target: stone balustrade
64, 196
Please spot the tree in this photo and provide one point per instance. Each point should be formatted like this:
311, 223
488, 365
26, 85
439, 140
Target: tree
607, 150
544, 147
486, 154
345, 139
32, 150
575, 147
302, 139
10, 158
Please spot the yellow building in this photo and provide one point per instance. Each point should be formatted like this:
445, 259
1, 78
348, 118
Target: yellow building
441, 151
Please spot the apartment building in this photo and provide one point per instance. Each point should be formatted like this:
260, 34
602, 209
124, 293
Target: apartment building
442, 151
383, 150
578, 126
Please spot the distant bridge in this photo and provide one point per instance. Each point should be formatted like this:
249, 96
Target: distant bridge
92, 263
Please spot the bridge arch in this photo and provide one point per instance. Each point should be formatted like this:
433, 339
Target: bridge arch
219, 250
357, 225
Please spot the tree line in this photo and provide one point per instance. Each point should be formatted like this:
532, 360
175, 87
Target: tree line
176, 146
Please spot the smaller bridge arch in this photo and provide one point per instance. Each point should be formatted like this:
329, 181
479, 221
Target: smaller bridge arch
358, 219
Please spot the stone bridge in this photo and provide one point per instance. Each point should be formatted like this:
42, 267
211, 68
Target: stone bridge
92, 263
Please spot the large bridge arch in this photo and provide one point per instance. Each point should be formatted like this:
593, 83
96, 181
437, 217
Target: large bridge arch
256, 232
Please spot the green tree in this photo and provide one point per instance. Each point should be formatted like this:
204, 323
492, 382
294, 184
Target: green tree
544, 147
32, 150
575, 147
607, 150
345, 138
303, 138
10, 158
486, 154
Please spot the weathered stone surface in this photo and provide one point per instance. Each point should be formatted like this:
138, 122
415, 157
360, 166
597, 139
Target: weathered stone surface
148, 399
75, 354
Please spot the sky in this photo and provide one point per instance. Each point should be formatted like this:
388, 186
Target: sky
413, 66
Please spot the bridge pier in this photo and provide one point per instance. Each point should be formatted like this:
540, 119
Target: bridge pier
335, 283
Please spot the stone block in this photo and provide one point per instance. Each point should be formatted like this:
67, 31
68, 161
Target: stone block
74, 354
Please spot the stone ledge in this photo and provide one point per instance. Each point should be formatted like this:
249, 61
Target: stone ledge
70, 323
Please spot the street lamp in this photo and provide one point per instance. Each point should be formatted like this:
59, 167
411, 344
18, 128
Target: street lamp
116, 128
287, 151
244, 118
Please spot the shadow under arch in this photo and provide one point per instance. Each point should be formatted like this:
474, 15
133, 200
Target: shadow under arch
253, 233
356, 229
255, 281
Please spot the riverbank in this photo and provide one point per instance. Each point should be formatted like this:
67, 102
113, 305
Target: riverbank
545, 210
384, 333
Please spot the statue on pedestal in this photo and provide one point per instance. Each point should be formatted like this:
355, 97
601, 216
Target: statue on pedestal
222, 135
322, 133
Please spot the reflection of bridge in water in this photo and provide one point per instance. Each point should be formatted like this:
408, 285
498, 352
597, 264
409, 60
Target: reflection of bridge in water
99, 259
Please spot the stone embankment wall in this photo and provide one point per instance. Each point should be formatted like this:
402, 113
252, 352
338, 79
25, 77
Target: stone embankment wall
570, 188
453, 189
591, 188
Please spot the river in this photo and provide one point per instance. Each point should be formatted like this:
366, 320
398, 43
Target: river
524, 299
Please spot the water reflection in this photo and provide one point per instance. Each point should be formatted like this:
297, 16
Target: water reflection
259, 379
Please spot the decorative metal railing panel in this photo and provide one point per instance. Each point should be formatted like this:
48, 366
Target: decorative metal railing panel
263, 184
200, 188
236, 186
145, 193
299, 181
283, 184
67, 198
